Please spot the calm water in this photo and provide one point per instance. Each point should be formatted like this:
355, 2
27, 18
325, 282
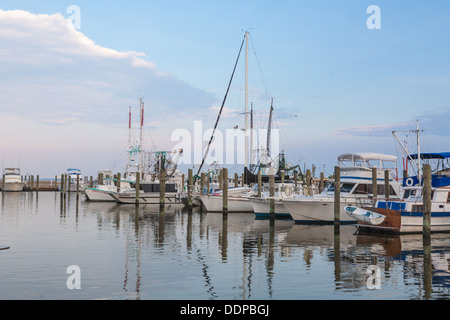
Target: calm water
128, 253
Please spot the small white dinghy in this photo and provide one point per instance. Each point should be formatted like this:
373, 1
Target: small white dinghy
364, 215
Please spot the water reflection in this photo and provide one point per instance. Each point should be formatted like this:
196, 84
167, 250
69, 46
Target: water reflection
148, 252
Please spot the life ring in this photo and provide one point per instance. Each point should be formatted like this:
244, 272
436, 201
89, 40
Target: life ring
409, 182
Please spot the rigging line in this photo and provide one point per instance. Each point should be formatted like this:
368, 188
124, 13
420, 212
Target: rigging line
263, 78
220, 112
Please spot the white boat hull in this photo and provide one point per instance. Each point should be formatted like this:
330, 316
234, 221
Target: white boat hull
13, 186
235, 204
146, 198
93, 194
261, 207
310, 210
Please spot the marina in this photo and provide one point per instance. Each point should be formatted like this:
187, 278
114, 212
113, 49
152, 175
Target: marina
147, 253
164, 168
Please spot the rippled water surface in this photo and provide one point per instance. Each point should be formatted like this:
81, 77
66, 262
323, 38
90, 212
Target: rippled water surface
124, 252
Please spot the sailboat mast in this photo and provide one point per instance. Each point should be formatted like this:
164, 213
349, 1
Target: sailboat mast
141, 151
419, 158
246, 101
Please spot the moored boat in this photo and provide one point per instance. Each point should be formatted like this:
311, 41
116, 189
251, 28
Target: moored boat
355, 187
13, 181
405, 215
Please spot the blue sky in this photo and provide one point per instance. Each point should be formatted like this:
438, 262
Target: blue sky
337, 86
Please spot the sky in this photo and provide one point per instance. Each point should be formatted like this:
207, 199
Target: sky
70, 70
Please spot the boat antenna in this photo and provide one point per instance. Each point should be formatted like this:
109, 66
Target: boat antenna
220, 112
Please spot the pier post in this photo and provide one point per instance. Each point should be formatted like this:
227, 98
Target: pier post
236, 180
182, 182
386, 186
138, 185
225, 189
37, 183
272, 193
322, 182
374, 185
162, 187
189, 188
91, 182
202, 182
119, 178
308, 183
220, 180
426, 195
68, 180
61, 185
32, 183
283, 176
337, 196
259, 183
78, 185
295, 179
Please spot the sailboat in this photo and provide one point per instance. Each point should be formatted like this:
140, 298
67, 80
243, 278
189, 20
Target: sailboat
238, 200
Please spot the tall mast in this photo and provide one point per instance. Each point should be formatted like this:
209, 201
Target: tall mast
246, 102
252, 156
418, 154
141, 151
129, 129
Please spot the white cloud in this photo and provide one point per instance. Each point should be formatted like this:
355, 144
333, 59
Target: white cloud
52, 72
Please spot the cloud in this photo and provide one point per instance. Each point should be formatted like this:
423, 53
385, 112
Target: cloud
54, 74
432, 122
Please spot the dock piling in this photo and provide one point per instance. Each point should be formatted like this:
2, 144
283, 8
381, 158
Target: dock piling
337, 196
225, 189
426, 199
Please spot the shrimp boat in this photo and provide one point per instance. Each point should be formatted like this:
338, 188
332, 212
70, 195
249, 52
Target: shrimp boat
406, 214
356, 188
13, 181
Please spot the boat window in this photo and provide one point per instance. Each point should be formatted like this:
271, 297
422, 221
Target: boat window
448, 198
409, 193
347, 187
363, 188
417, 208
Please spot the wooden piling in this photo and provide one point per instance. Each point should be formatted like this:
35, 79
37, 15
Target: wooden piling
220, 180
259, 183
426, 196
78, 184
272, 194
119, 180
283, 176
138, 185
374, 185
162, 187
308, 183
322, 182
236, 180
386, 186
37, 183
189, 188
337, 196
225, 189
62, 185
202, 182
295, 178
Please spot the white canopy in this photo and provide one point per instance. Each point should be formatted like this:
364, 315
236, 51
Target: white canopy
367, 156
